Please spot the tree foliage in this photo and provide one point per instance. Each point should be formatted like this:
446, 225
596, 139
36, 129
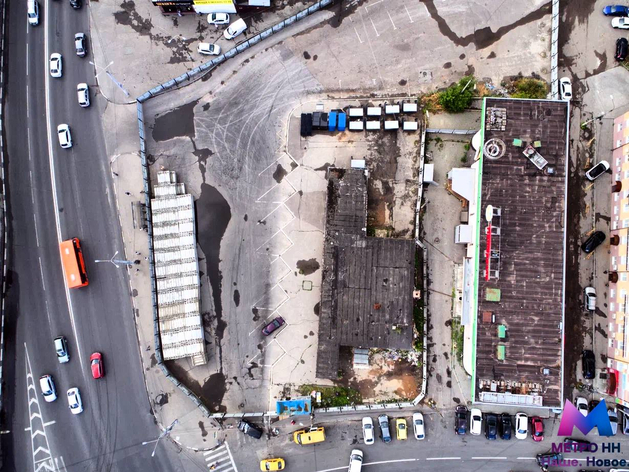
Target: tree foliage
458, 97
530, 88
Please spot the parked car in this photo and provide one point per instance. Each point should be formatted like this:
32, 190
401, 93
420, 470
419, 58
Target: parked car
369, 434
548, 459
588, 365
56, 65
613, 420
250, 429
537, 428
590, 298
385, 434
565, 88
598, 170
236, 28
61, 348
355, 461
476, 421
622, 47
620, 23
65, 138
209, 49
593, 404
74, 401
491, 426
96, 365
418, 426
594, 241
272, 464
400, 429
505, 426
76, 4
218, 19
576, 445
47, 386
616, 10
460, 420
273, 326
521, 425
79, 44
582, 405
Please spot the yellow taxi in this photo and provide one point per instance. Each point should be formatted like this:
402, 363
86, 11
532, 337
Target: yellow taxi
400, 428
272, 464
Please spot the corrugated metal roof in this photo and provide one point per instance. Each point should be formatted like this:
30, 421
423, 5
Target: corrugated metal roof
176, 270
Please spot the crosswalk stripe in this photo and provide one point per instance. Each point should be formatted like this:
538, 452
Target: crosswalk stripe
206, 453
215, 456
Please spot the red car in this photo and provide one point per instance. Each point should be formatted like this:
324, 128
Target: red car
96, 364
538, 428
277, 323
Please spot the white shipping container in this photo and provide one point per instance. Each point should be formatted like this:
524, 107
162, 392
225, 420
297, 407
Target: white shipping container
371, 125
391, 125
392, 109
356, 112
409, 107
374, 111
356, 126
410, 126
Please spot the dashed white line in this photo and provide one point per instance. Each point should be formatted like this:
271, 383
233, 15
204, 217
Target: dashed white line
443, 458
481, 458
41, 270
36, 231
526, 458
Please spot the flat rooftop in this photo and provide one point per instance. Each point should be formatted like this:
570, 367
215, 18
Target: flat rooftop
367, 291
525, 289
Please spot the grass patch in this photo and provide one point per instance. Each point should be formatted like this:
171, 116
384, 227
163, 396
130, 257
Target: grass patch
457, 339
333, 396
530, 88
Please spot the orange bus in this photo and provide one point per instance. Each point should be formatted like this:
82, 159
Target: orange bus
73, 263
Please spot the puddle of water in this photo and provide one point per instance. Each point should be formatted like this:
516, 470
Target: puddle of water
175, 123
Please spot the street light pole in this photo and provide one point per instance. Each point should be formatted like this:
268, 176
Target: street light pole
115, 261
111, 77
164, 434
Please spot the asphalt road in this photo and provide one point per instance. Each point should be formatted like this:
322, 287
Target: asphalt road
108, 435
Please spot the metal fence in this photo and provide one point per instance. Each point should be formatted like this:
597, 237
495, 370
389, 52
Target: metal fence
554, 51
3, 220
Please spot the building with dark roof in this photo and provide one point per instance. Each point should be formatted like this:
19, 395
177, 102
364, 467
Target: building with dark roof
516, 299
367, 287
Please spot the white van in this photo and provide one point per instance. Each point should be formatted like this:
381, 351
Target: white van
236, 28
32, 10
355, 461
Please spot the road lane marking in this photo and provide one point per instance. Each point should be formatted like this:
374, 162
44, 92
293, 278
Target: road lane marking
53, 182
526, 458
394, 27
39, 446
443, 458
49, 423
374, 27
489, 458
361, 41
408, 13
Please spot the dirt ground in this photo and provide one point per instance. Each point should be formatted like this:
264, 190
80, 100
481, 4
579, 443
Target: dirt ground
391, 376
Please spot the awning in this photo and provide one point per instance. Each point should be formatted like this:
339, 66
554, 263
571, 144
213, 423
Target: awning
612, 381
204, 7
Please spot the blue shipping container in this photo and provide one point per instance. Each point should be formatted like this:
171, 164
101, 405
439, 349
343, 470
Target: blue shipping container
342, 121
332, 121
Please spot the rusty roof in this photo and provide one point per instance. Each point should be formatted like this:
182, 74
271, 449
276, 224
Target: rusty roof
367, 288
529, 248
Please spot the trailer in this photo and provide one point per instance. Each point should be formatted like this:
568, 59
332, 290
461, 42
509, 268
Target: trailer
332, 121
356, 112
410, 126
342, 120
409, 107
391, 109
374, 111
372, 125
391, 125
357, 125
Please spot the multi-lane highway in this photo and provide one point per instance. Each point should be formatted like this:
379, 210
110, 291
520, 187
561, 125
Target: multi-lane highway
55, 194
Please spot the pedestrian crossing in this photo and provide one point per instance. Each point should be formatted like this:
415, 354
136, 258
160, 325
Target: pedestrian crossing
221, 459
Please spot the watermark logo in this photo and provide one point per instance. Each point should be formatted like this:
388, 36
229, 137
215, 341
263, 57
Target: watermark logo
572, 417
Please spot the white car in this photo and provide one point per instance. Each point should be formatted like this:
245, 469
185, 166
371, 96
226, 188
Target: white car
355, 461
79, 44
61, 348
418, 426
521, 426
48, 390
590, 298
236, 28
65, 138
598, 170
368, 431
582, 405
56, 65
217, 19
565, 88
622, 23
209, 49
74, 401
83, 94
476, 421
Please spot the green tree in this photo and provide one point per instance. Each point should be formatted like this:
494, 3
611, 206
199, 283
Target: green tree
458, 97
